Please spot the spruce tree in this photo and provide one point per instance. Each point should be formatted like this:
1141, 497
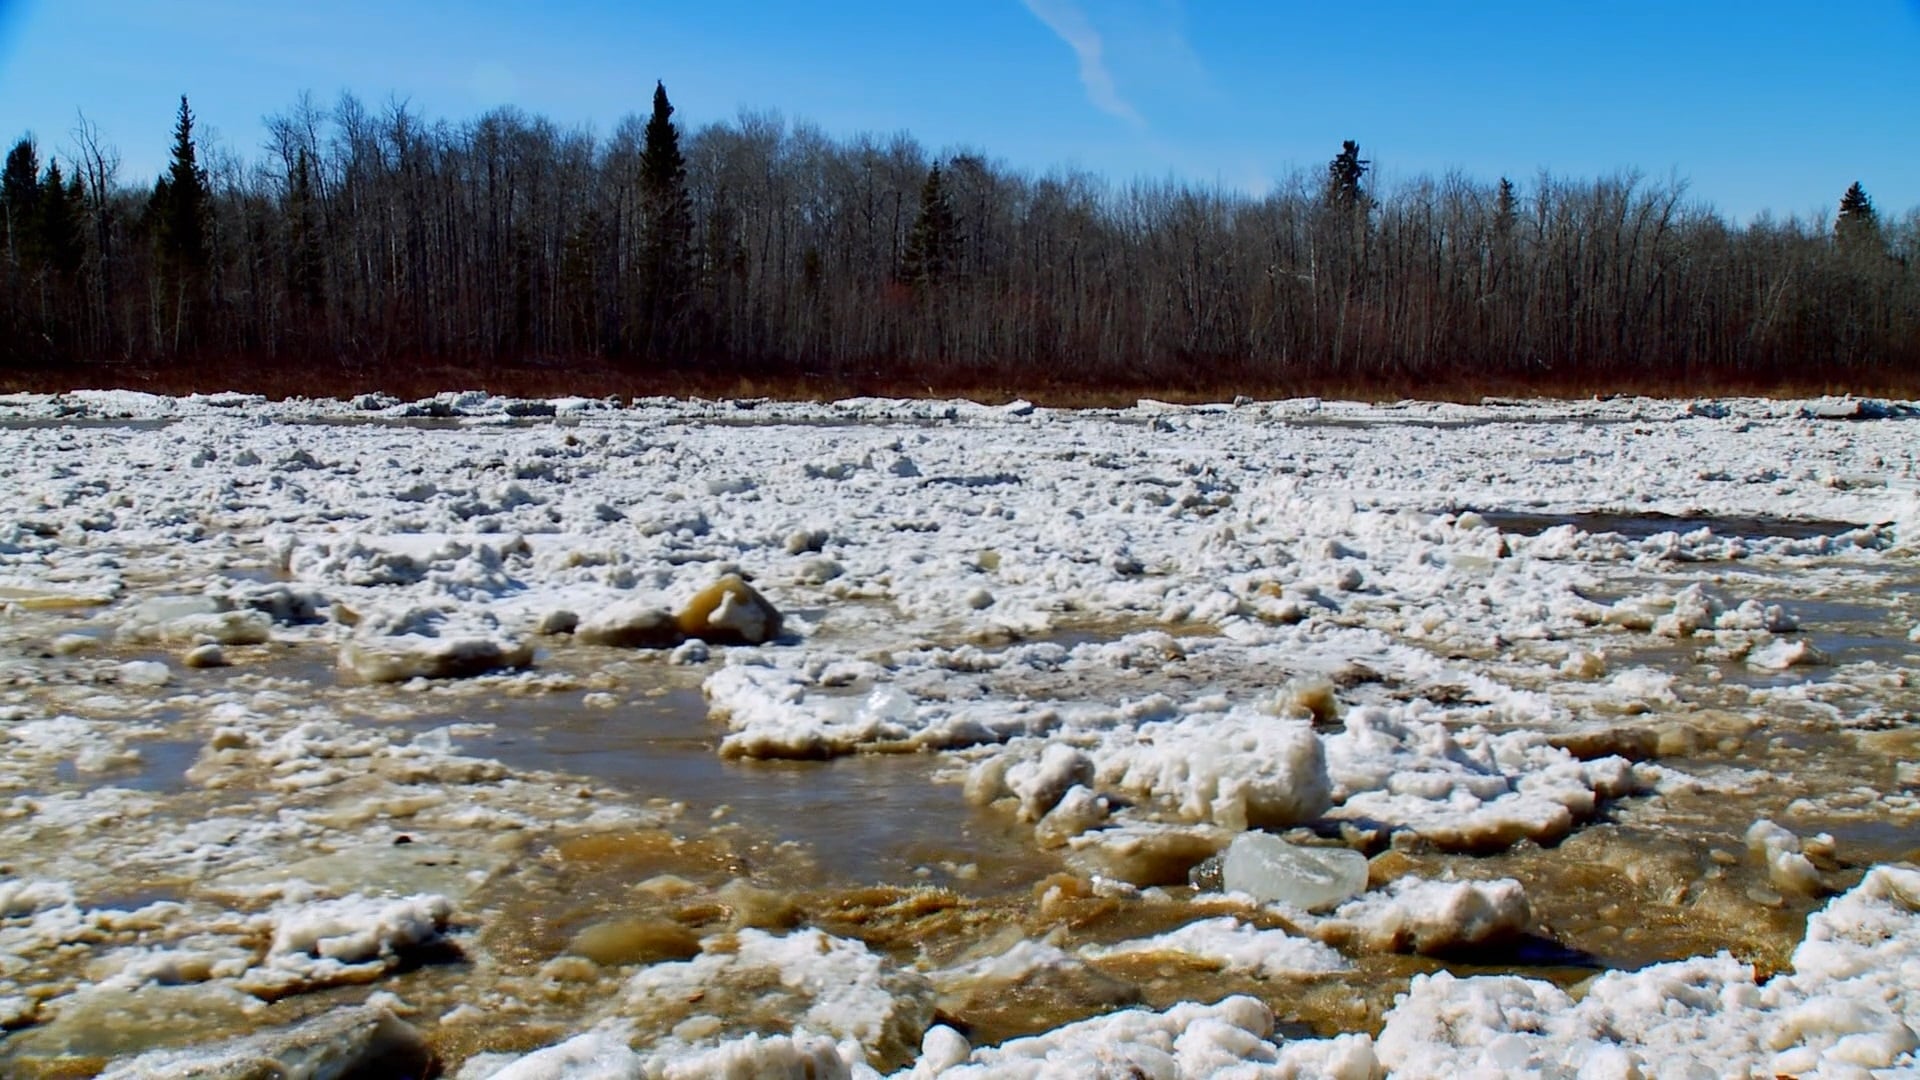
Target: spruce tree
667, 248
305, 263
59, 226
20, 201
1344, 173
1505, 209
931, 245
181, 200
1857, 227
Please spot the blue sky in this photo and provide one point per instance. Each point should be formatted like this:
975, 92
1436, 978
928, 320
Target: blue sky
1758, 105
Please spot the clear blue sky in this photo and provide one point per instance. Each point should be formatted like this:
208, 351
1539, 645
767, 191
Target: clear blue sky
1758, 104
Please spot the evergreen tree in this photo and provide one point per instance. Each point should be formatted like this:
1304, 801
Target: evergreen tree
178, 216
306, 266
1857, 226
20, 200
181, 201
667, 248
1505, 210
61, 207
1344, 173
935, 237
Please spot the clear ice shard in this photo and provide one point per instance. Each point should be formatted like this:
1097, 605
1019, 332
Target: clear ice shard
1310, 878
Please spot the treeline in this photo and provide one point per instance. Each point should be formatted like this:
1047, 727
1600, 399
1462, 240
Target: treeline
364, 238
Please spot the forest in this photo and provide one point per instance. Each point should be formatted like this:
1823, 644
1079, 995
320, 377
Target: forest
376, 248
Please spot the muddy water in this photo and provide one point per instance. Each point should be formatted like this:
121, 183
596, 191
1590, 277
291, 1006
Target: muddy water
858, 820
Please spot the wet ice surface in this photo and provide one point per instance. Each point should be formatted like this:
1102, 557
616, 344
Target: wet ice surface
318, 715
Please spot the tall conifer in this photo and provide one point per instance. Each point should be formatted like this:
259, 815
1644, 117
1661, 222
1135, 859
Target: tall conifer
667, 248
20, 201
1858, 226
935, 236
181, 199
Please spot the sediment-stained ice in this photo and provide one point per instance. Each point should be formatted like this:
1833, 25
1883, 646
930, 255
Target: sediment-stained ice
251, 650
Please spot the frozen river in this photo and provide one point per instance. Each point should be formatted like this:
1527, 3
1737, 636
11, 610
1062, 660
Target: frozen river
565, 738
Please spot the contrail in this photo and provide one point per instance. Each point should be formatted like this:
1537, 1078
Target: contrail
1070, 24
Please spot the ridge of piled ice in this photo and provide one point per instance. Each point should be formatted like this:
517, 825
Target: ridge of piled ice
1229, 1038
771, 712
606, 1055
1413, 914
1232, 946
1463, 790
805, 981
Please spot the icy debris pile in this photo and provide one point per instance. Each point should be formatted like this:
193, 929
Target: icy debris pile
750, 1002
607, 1055
1399, 771
1433, 917
1230, 1038
1386, 772
1227, 944
1231, 767
353, 939
194, 620
772, 712
806, 981
1242, 768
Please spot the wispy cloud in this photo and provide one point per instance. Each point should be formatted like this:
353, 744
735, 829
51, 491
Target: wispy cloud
1070, 24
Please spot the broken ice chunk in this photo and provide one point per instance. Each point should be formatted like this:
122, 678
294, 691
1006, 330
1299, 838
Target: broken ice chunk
633, 624
1432, 917
1788, 868
192, 619
1781, 655
411, 656
1276, 872
730, 612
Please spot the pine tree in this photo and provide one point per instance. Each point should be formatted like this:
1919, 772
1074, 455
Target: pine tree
935, 236
1344, 173
1857, 227
667, 251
